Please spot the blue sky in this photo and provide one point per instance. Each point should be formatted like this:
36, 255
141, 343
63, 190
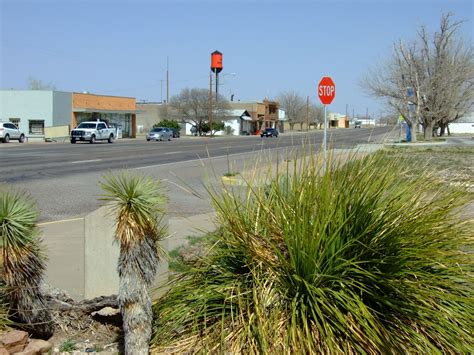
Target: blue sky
120, 47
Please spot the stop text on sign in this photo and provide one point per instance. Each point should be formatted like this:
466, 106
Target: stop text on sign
326, 90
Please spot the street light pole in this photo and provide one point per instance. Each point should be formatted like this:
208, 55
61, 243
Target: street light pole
210, 101
217, 99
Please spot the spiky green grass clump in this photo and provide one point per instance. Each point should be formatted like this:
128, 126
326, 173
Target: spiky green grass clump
361, 257
4, 319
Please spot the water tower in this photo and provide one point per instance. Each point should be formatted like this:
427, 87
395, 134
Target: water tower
216, 62
216, 67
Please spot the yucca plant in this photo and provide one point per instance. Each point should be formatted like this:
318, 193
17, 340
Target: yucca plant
359, 257
23, 264
137, 202
5, 320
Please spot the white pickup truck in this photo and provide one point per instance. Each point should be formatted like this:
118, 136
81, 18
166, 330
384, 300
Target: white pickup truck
93, 131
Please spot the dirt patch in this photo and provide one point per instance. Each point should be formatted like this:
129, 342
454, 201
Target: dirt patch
87, 326
82, 333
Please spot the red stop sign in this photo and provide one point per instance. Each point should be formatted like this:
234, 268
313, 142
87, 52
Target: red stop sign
326, 90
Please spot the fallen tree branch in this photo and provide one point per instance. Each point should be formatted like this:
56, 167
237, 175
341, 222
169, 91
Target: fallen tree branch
85, 306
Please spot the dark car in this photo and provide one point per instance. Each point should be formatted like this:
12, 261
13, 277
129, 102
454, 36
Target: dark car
358, 124
269, 132
176, 133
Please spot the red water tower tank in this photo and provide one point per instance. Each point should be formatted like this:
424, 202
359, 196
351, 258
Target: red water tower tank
216, 62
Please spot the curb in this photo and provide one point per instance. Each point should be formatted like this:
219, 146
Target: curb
232, 180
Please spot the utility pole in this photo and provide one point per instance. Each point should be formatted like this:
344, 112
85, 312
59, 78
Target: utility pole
161, 84
353, 114
167, 81
210, 101
367, 113
307, 113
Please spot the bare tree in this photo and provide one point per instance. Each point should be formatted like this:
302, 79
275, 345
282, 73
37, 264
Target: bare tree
294, 106
451, 60
316, 115
429, 81
192, 106
36, 84
389, 119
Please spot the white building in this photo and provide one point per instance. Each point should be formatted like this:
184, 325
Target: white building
236, 122
463, 125
365, 121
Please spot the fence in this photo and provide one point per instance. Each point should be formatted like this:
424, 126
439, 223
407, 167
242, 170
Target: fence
83, 255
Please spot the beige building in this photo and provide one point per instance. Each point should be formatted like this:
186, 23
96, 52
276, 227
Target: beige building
336, 120
150, 113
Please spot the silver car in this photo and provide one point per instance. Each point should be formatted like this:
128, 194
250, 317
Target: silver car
9, 131
159, 134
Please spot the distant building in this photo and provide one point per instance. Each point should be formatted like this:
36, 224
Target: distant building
463, 125
149, 114
365, 122
241, 118
36, 111
336, 120
263, 114
237, 123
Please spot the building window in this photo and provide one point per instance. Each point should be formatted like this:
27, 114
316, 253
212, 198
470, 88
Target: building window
15, 121
36, 127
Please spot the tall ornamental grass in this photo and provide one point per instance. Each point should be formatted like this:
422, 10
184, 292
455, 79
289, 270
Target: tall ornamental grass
363, 256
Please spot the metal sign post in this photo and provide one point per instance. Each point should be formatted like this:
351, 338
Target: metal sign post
326, 93
325, 135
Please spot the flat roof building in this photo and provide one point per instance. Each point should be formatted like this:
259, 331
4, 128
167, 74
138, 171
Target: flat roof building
34, 111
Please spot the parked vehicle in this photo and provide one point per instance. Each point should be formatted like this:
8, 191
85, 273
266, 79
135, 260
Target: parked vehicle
176, 132
93, 131
159, 134
269, 132
9, 131
358, 124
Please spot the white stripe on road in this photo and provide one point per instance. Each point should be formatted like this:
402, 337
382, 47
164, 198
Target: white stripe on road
85, 161
169, 153
201, 159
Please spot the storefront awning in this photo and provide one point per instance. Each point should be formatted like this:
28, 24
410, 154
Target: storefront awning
92, 110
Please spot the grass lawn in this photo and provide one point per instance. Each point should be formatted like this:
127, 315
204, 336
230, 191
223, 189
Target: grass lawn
454, 165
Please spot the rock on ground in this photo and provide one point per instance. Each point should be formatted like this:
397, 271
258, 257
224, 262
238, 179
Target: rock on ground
18, 342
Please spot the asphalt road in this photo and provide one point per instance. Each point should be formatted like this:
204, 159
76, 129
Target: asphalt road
21, 163
62, 177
